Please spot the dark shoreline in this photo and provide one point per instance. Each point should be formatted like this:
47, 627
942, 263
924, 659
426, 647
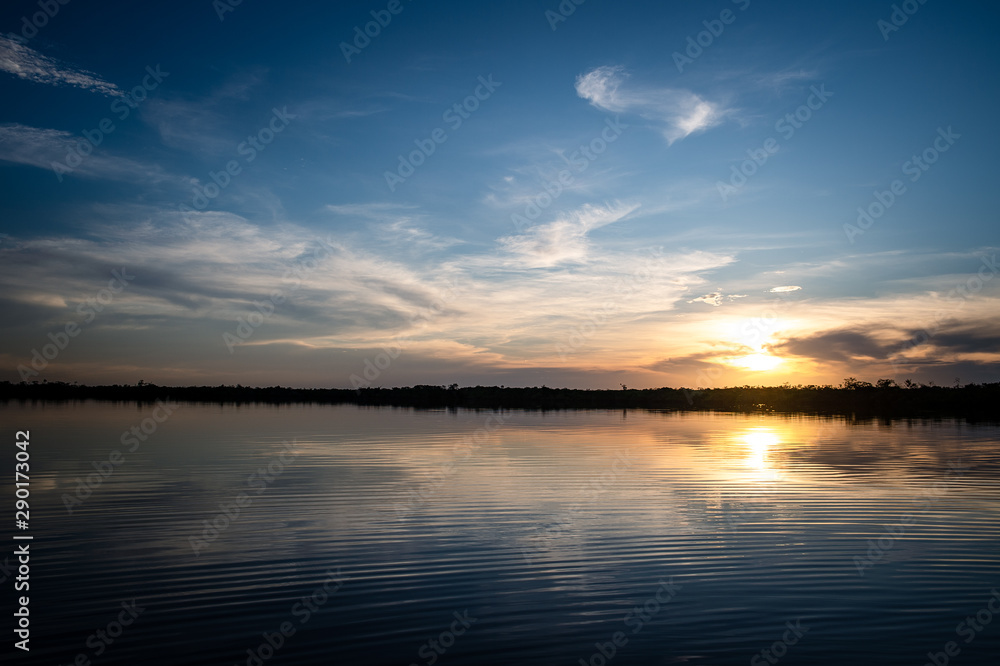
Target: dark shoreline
975, 402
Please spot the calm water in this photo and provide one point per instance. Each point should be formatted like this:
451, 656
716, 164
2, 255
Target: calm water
529, 547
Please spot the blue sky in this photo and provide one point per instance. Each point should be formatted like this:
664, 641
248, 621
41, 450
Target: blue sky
574, 221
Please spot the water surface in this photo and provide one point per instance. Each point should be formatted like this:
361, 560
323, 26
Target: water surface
529, 538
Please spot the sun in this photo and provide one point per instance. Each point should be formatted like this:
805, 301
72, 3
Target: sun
759, 362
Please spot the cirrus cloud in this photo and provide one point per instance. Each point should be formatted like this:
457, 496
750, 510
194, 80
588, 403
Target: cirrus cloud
565, 238
30, 65
679, 113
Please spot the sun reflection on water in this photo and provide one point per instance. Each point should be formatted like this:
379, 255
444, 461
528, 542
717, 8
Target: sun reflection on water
761, 444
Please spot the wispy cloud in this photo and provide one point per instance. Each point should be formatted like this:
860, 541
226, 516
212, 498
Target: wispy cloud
204, 125
196, 276
396, 224
495, 311
564, 239
679, 113
778, 81
41, 147
371, 211
26, 63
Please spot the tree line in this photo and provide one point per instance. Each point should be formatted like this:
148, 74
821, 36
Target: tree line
853, 397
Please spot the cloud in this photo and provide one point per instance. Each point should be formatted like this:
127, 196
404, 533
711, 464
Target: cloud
712, 299
679, 112
485, 310
843, 346
565, 239
975, 342
976, 338
41, 147
204, 125
780, 80
371, 211
26, 63
191, 126
716, 298
395, 224
689, 364
783, 290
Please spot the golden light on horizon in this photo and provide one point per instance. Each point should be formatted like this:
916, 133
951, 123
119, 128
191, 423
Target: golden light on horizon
759, 362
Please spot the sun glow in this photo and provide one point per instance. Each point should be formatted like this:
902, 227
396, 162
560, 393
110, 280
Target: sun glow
761, 443
759, 362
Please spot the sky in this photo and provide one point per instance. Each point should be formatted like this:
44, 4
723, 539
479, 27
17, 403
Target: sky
586, 194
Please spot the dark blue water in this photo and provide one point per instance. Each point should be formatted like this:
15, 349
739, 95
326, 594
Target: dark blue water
344, 535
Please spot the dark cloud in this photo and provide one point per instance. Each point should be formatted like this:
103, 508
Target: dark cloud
699, 361
25, 316
934, 355
842, 346
978, 338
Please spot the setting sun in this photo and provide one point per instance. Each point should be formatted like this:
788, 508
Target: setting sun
760, 362
484, 333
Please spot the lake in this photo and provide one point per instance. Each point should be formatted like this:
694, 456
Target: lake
309, 534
